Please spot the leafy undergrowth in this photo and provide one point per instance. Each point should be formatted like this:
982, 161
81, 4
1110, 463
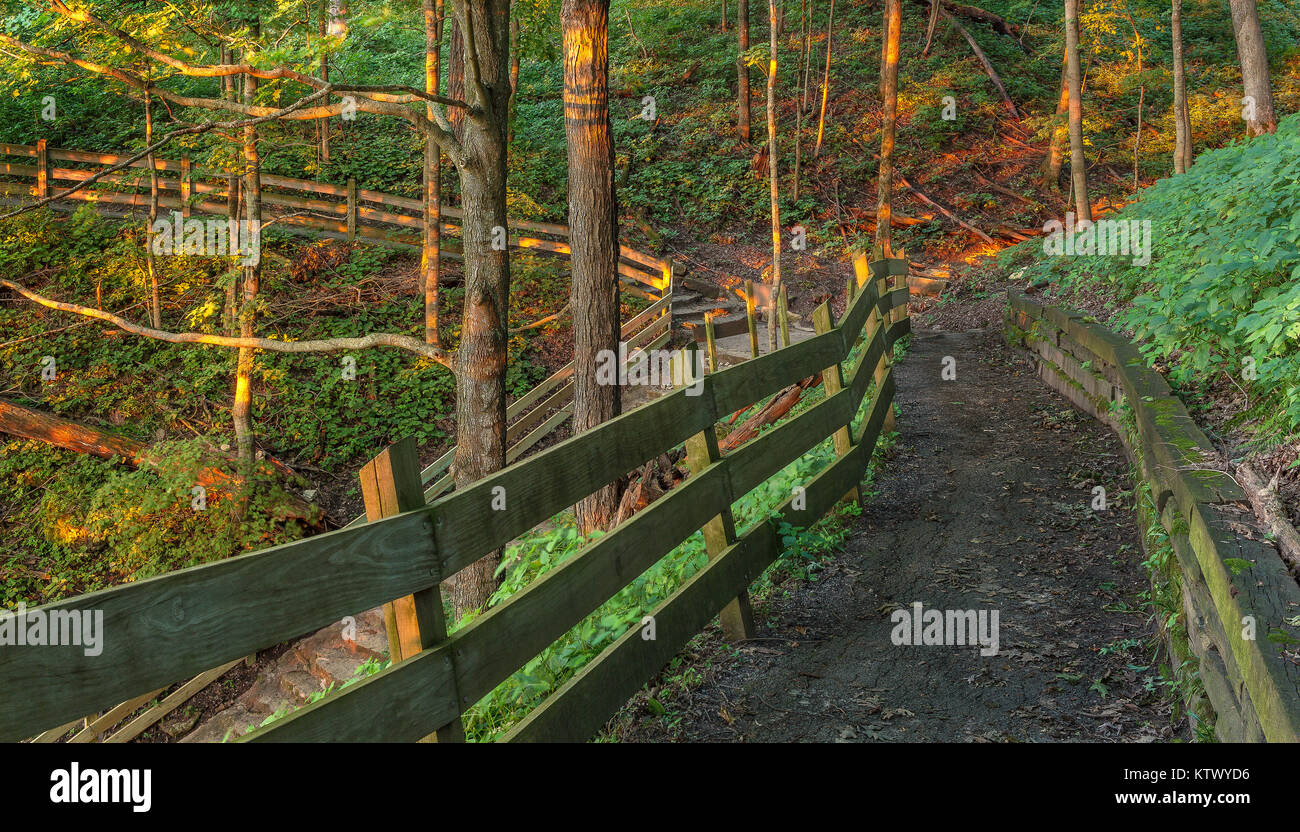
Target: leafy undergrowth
115, 524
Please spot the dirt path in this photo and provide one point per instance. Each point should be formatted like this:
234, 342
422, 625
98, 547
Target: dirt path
985, 504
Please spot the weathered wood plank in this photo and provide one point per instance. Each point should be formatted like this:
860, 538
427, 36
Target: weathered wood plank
166, 628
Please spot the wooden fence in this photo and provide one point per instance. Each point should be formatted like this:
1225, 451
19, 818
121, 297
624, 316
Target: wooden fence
173, 626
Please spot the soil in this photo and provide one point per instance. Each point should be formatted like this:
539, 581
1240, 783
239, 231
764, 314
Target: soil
985, 503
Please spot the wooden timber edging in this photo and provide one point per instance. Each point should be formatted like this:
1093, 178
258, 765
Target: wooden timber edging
173, 626
1253, 683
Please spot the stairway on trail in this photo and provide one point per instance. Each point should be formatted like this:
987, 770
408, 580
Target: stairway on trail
984, 504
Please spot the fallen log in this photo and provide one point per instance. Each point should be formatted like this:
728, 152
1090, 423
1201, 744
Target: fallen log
987, 64
780, 405
54, 430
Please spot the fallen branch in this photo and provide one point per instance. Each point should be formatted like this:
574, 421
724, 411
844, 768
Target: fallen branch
988, 66
902, 180
780, 405
17, 420
1268, 506
378, 339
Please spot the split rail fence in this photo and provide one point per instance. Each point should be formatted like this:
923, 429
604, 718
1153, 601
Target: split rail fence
167, 628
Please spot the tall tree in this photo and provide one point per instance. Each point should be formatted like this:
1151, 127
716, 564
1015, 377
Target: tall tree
155, 307
1257, 106
775, 185
430, 254
1074, 72
742, 69
1182, 121
252, 190
593, 226
889, 85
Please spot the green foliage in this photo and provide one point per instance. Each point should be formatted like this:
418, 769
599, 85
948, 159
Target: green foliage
1222, 291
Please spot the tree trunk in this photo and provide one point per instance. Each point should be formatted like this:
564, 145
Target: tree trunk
826, 82
774, 182
1257, 106
155, 307
929, 29
241, 412
593, 223
798, 99
514, 76
430, 255
1060, 131
742, 69
1078, 168
1180, 88
456, 77
481, 359
889, 84
323, 125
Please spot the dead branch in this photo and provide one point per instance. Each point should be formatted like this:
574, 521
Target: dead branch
378, 339
988, 66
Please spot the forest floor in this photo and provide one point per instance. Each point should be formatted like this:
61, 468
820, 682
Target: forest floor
984, 504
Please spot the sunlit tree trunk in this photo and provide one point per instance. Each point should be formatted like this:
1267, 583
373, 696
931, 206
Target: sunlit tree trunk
774, 188
243, 407
826, 82
593, 225
742, 69
1060, 131
1078, 167
514, 75
889, 85
481, 359
1257, 106
430, 262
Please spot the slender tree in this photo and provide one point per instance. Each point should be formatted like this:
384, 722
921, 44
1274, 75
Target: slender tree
772, 174
252, 190
826, 81
1078, 169
742, 70
155, 307
1257, 105
1060, 130
593, 225
885, 182
430, 254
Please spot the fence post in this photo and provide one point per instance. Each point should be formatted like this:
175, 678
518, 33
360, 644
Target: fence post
749, 314
878, 271
390, 484
833, 380
712, 341
737, 617
42, 170
352, 208
185, 185
670, 275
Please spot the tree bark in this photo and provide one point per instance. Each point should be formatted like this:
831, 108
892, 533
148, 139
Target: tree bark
742, 70
323, 125
1078, 168
481, 359
798, 99
889, 84
593, 225
929, 29
1180, 88
826, 82
430, 263
1251, 52
774, 181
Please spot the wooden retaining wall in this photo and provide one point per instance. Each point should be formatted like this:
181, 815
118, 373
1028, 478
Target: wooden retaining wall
1252, 683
